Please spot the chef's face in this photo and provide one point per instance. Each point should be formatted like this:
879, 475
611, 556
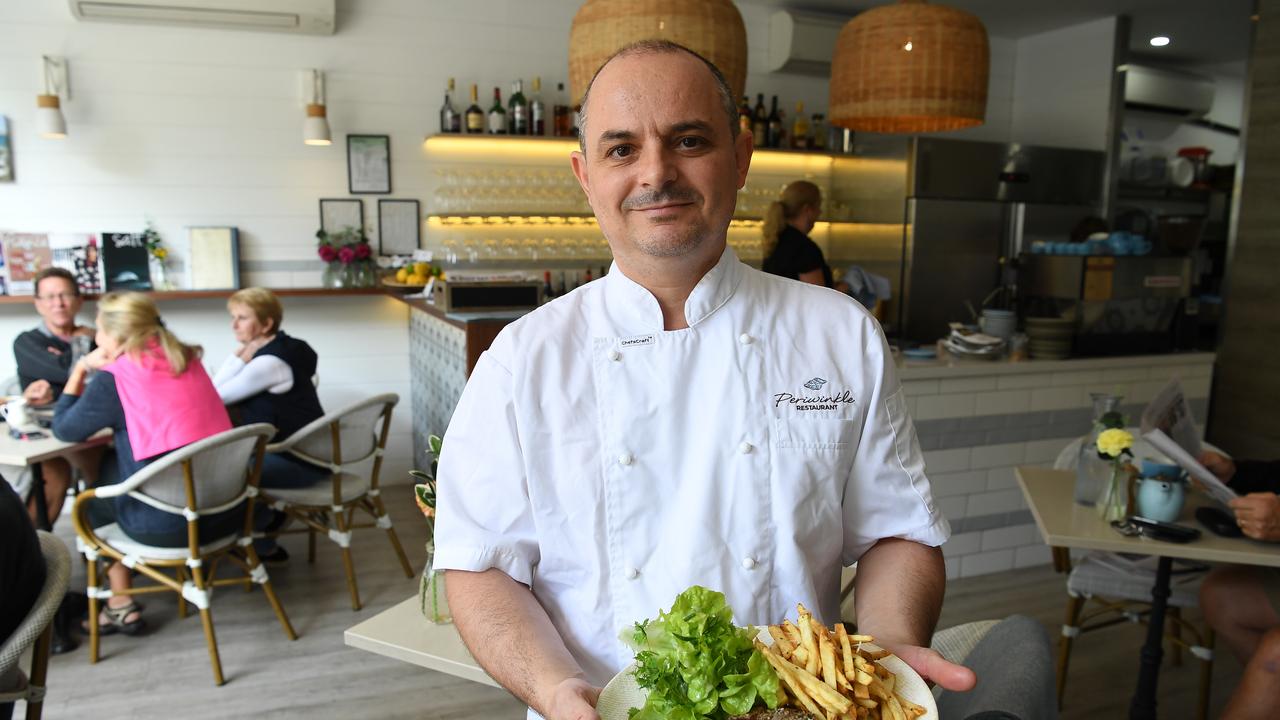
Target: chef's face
661, 167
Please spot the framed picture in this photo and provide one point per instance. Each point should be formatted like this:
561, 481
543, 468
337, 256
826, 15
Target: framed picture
399, 228
337, 214
213, 258
369, 164
6, 152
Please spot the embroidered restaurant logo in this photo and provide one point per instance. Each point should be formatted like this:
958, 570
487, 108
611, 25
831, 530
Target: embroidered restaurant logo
804, 403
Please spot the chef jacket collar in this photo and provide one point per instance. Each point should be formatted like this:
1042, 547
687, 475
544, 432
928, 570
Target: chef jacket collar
636, 310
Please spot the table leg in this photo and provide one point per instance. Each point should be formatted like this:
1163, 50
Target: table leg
37, 492
1143, 705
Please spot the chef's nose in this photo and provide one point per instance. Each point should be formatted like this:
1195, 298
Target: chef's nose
657, 167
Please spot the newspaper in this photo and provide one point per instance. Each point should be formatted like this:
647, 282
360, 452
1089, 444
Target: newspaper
1167, 423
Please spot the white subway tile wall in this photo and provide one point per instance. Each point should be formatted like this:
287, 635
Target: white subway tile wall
976, 429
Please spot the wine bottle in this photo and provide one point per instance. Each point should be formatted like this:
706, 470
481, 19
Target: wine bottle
560, 288
475, 116
744, 115
537, 111
518, 110
775, 126
819, 129
561, 119
586, 278
760, 123
577, 120
497, 115
547, 291
800, 129
450, 121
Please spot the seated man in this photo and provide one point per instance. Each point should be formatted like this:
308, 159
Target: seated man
22, 575
1243, 603
44, 357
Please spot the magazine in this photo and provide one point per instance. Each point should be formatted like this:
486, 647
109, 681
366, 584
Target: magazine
77, 253
1167, 423
25, 254
125, 262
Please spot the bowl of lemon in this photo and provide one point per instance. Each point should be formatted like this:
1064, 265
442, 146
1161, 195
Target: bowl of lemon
413, 276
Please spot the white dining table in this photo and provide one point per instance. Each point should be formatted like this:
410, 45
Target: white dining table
30, 453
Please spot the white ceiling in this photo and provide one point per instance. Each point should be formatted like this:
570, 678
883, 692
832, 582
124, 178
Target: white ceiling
1202, 31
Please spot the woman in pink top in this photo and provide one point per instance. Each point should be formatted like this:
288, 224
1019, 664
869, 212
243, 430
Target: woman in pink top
155, 395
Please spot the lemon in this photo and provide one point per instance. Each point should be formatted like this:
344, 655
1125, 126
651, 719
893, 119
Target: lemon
402, 275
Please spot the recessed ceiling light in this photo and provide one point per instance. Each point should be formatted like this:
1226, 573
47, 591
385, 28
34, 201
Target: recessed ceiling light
1159, 41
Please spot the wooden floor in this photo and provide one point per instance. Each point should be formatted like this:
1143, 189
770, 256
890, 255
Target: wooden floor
166, 673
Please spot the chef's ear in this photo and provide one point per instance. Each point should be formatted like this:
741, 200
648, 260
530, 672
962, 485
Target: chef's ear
743, 147
579, 163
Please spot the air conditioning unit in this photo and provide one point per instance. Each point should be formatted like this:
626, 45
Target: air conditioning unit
803, 42
1170, 92
310, 17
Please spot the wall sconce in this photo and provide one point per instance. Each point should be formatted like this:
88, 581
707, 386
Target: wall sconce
315, 129
49, 120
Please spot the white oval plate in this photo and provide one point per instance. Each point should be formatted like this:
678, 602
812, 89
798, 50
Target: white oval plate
622, 693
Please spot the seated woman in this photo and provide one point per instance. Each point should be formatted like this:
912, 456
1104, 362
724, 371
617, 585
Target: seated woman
268, 379
155, 395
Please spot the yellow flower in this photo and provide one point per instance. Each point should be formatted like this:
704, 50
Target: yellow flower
1114, 441
160, 253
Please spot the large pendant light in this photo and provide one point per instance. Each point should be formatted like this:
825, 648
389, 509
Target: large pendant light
910, 67
711, 28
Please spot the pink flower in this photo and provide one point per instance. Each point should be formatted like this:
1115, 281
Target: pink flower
327, 253
346, 254
362, 251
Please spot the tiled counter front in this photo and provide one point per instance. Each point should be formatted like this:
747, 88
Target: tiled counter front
977, 422
437, 374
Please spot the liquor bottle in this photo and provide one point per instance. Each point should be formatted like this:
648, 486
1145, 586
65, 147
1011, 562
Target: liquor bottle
775, 126
537, 111
450, 122
518, 110
547, 291
475, 116
800, 129
586, 278
561, 120
560, 288
760, 123
744, 115
819, 129
577, 120
497, 115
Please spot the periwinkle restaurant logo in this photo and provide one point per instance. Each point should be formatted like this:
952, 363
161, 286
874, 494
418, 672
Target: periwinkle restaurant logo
802, 403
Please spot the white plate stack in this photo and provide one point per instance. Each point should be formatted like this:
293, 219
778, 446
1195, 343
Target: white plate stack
1050, 338
971, 345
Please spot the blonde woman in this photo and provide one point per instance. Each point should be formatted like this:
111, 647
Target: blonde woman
154, 394
788, 251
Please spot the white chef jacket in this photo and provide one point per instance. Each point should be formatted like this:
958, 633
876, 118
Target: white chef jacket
609, 464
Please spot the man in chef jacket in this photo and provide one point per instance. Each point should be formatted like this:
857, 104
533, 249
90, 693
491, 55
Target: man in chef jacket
684, 420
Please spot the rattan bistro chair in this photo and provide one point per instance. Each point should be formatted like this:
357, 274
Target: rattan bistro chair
206, 477
36, 631
340, 442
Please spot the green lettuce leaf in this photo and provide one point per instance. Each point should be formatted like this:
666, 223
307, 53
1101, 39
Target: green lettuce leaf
697, 665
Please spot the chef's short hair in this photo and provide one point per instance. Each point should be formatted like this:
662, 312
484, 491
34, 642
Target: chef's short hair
662, 47
262, 302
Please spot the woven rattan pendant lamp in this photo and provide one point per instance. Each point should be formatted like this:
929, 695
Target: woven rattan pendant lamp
712, 28
910, 67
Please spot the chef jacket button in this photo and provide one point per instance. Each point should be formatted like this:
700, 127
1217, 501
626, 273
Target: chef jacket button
632, 573
747, 447
626, 459
614, 355
745, 339
749, 563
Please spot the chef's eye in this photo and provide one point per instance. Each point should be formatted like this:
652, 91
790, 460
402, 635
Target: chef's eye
691, 143
619, 151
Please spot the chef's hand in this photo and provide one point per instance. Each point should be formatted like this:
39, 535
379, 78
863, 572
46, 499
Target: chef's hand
1258, 515
573, 699
251, 348
1218, 464
39, 392
935, 669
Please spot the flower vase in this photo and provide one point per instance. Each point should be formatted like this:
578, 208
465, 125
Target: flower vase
1092, 472
1113, 503
159, 278
333, 276
431, 598
366, 277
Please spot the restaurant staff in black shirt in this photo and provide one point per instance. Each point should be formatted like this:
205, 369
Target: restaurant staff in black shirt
788, 250
44, 357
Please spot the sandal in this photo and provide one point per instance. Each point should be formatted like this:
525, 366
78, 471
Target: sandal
113, 620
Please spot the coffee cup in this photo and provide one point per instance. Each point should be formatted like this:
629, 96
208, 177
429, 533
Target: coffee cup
17, 413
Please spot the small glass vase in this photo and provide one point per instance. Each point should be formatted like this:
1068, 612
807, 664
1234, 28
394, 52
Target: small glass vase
331, 277
1113, 502
1093, 472
159, 277
431, 598
365, 275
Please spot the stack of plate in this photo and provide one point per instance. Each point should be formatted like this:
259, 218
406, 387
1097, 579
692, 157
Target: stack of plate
973, 345
1050, 338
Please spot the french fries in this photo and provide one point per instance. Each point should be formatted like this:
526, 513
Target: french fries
830, 675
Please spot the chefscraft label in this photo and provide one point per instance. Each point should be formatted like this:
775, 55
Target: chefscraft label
803, 403
635, 341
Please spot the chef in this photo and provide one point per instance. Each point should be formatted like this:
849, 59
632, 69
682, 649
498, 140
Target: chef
684, 420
